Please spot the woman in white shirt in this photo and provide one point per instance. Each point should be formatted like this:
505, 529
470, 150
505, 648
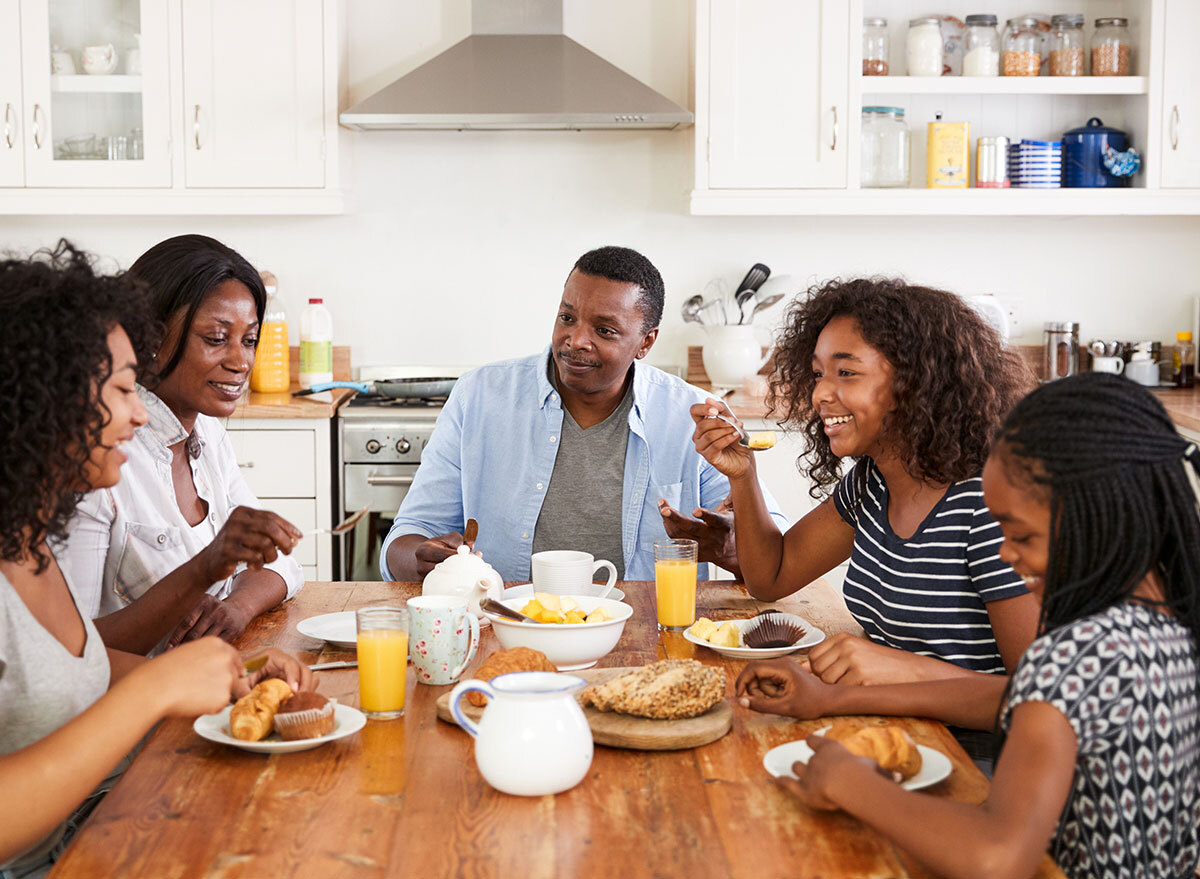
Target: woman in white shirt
177, 549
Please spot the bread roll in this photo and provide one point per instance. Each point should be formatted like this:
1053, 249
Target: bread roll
889, 746
253, 716
503, 662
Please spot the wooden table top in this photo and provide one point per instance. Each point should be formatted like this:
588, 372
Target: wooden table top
404, 798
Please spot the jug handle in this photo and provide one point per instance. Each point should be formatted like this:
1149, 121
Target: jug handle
456, 696
767, 356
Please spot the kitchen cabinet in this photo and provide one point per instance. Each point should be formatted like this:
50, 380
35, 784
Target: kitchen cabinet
169, 107
1181, 96
768, 76
287, 464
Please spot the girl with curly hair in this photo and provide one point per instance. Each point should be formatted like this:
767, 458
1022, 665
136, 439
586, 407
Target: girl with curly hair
70, 709
912, 383
1099, 502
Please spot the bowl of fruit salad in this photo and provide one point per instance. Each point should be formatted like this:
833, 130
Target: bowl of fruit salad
574, 631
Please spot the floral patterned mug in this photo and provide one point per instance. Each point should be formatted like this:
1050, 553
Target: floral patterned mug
442, 637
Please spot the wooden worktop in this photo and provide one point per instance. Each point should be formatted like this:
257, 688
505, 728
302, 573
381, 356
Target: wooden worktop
323, 405
404, 797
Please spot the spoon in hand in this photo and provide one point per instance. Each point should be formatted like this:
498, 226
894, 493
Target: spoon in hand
344, 526
760, 441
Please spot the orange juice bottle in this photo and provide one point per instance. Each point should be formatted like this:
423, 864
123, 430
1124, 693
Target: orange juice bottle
382, 669
271, 374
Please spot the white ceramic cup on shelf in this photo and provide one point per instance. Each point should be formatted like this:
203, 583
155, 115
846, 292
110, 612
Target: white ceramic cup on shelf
1144, 372
1115, 365
569, 572
99, 60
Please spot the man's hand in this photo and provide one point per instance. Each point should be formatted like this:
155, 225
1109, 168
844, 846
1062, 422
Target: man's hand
211, 616
435, 549
780, 686
848, 659
711, 529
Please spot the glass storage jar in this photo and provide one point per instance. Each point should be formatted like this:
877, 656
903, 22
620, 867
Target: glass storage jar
1111, 48
925, 47
1066, 45
885, 148
982, 47
875, 47
1022, 47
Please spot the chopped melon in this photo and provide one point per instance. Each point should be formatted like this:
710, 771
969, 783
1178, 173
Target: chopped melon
568, 604
727, 635
599, 615
548, 601
761, 439
574, 616
703, 628
533, 609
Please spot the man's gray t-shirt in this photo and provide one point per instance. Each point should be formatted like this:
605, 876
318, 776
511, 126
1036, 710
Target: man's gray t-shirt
582, 509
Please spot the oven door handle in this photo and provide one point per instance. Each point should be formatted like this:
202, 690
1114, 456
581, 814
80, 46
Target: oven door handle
389, 480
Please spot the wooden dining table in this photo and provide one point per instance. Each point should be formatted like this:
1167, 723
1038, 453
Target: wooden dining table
404, 797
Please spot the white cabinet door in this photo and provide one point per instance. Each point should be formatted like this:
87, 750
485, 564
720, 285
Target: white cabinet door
277, 463
253, 82
1181, 96
12, 162
100, 118
778, 90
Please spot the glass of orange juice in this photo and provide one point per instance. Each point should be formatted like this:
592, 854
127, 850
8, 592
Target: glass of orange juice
382, 660
675, 583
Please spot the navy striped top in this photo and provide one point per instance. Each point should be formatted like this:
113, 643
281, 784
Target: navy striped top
927, 594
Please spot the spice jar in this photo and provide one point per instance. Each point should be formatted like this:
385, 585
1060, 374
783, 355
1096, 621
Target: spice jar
982, 47
1111, 47
1022, 47
925, 47
875, 47
885, 148
1066, 45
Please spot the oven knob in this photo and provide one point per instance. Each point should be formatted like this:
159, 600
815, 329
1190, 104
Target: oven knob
373, 446
403, 446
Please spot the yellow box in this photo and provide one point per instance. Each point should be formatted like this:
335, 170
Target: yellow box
947, 155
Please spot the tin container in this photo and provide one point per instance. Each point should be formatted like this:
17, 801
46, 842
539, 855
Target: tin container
1061, 349
991, 163
947, 154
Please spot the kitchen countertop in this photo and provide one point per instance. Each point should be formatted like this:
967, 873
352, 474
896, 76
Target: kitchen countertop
323, 405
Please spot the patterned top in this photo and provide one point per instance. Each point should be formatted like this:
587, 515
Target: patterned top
927, 594
1126, 680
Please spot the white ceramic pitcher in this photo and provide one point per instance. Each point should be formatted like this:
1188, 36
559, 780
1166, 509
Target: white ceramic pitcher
731, 354
533, 738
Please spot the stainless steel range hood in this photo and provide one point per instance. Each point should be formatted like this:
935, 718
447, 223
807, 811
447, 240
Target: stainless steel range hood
516, 71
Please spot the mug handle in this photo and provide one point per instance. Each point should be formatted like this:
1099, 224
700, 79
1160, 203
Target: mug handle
456, 696
472, 641
612, 576
1120, 365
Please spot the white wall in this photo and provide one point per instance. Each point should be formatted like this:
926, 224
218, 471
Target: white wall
455, 245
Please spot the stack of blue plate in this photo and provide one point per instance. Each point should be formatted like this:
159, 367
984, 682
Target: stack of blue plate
1035, 164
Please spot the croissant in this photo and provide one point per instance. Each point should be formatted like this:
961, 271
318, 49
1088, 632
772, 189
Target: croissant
888, 746
253, 716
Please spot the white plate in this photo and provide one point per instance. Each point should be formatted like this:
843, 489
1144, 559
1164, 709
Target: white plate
336, 628
525, 590
814, 637
778, 761
215, 728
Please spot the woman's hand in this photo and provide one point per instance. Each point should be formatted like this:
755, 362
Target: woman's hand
780, 686
718, 442
284, 666
194, 679
254, 537
211, 616
848, 659
831, 768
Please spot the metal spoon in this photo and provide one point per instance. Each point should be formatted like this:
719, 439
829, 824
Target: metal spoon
691, 309
342, 527
493, 606
743, 437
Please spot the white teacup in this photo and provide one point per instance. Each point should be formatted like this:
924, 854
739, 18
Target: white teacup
61, 63
1115, 365
1144, 372
99, 60
569, 572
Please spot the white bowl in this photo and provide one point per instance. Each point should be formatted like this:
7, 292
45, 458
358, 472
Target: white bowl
570, 646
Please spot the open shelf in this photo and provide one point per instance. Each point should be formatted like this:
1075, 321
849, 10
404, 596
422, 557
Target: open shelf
109, 84
1005, 85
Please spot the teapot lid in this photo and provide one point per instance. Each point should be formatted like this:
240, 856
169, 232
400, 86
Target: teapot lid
463, 562
1095, 126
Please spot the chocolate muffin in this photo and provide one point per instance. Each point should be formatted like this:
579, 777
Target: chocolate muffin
304, 716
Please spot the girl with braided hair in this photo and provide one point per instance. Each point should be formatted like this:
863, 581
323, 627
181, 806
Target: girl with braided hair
1099, 501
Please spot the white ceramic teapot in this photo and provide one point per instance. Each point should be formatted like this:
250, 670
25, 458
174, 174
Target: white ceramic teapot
464, 575
533, 738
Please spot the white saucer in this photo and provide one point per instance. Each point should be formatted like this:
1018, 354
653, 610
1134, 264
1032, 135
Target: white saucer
814, 637
336, 628
215, 728
526, 590
935, 765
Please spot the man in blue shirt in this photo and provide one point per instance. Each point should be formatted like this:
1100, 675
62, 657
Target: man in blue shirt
580, 447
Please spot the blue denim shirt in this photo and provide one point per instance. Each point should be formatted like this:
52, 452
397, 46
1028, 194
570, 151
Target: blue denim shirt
492, 453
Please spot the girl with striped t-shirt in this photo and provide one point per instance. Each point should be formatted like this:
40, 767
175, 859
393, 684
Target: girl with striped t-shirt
912, 383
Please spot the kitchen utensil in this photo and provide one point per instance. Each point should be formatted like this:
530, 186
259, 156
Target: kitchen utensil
342, 527
418, 388
624, 730
754, 279
1084, 154
691, 309
325, 666
490, 605
471, 532
568, 646
743, 436
1060, 356
253, 665
712, 313
443, 637
465, 575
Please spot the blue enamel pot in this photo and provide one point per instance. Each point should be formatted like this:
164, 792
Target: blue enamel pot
1096, 157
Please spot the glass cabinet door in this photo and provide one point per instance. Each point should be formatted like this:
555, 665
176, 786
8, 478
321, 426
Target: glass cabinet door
96, 86
12, 162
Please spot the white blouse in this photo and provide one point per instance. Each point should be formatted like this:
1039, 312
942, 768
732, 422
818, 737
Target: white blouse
125, 539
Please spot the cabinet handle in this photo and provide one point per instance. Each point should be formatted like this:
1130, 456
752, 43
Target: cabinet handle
196, 126
833, 146
37, 128
389, 480
1175, 127
245, 465
8, 126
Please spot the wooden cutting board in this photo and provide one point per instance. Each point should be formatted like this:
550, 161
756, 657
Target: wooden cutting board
622, 730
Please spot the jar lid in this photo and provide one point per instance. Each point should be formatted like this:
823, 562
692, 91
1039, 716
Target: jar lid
1023, 21
1095, 126
1119, 22
875, 22
928, 19
1183, 337
1072, 20
1064, 326
981, 20
893, 111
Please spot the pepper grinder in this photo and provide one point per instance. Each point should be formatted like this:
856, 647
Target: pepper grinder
1061, 343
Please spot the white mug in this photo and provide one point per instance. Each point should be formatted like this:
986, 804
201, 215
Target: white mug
61, 63
1115, 365
1144, 372
99, 60
569, 572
